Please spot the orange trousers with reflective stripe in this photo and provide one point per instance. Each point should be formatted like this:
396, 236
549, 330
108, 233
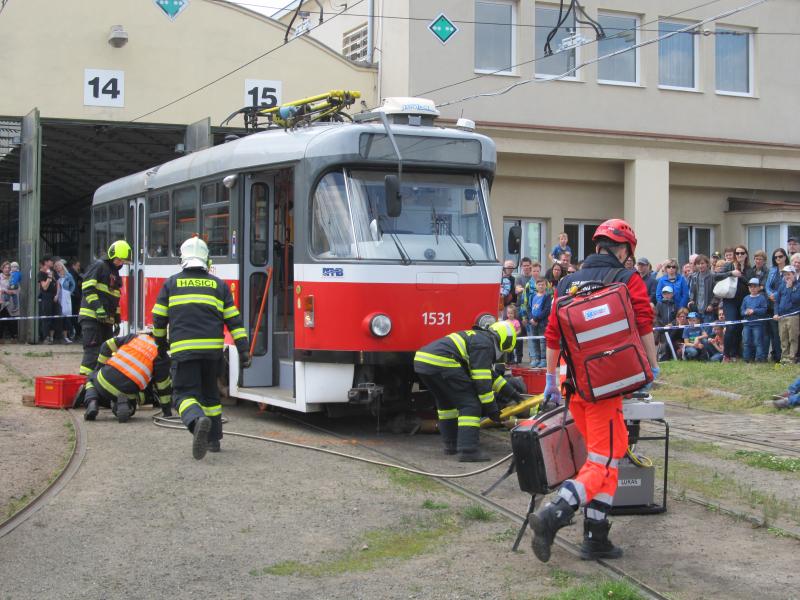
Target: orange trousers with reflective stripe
604, 431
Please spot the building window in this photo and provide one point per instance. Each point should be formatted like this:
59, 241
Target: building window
494, 36
734, 61
769, 237
580, 237
621, 32
559, 62
354, 44
694, 239
531, 243
677, 57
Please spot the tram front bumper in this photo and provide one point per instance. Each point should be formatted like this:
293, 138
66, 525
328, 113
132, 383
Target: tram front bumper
365, 394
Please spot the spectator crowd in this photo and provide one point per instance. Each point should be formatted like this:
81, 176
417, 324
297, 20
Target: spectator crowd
725, 307
57, 286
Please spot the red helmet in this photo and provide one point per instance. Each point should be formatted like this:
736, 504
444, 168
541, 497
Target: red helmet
617, 230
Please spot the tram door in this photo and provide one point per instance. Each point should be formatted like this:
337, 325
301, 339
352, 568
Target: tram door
256, 258
135, 283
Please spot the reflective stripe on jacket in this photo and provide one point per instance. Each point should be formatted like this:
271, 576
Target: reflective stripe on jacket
135, 360
101, 287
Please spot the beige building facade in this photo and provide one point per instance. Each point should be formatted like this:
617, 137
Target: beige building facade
691, 137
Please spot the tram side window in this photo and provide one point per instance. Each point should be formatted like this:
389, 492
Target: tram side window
116, 222
100, 231
158, 227
332, 229
184, 215
259, 224
215, 210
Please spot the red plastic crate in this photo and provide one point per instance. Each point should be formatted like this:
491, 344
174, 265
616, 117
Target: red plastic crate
57, 391
534, 378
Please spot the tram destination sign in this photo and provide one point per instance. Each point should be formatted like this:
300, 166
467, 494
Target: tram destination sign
443, 28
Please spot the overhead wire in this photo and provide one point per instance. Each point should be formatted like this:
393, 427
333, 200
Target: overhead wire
231, 72
572, 70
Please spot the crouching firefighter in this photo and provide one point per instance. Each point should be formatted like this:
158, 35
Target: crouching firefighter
197, 305
457, 369
128, 365
600, 422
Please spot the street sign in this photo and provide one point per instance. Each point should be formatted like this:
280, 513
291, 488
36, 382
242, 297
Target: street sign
443, 28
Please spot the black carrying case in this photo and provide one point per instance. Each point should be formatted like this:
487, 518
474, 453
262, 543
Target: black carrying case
548, 450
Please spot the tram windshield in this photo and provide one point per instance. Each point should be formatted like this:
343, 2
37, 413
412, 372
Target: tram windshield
443, 218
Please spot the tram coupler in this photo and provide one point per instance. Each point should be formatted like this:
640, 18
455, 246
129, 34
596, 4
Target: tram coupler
365, 394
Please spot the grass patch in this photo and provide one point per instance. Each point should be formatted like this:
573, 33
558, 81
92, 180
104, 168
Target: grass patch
561, 578
375, 549
476, 512
711, 484
413, 481
690, 382
433, 505
47, 354
753, 458
506, 535
601, 590
18, 504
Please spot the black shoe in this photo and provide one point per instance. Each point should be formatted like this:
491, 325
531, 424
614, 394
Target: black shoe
80, 397
546, 523
123, 410
91, 411
450, 449
477, 455
595, 541
200, 442
214, 446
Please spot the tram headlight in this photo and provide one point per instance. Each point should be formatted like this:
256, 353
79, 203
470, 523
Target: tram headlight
380, 325
484, 320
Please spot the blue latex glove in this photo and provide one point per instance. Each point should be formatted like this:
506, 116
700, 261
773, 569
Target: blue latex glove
656, 372
552, 389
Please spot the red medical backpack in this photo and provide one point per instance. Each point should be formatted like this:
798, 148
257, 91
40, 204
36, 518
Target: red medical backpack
600, 341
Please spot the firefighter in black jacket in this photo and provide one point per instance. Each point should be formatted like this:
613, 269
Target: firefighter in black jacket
128, 365
100, 303
457, 369
196, 305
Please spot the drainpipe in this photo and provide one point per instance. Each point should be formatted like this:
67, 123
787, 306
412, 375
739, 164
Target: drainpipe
370, 30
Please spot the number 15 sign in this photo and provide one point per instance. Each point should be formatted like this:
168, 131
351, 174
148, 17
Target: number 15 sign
103, 88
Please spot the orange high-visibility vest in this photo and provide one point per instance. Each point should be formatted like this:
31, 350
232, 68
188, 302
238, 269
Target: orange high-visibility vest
135, 360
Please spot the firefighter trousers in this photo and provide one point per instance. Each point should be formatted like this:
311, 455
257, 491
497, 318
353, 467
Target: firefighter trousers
107, 384
606, 436
195, 393
94, 334
458, 408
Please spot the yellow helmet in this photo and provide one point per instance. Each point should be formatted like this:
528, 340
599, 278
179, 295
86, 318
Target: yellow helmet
121, 250
505, 334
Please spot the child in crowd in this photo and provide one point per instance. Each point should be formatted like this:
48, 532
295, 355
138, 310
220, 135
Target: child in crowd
715, 345
754, 307
562, 247
539, 311
676, 335
666, 311
16, 278
511, 317
701, 290
694, 337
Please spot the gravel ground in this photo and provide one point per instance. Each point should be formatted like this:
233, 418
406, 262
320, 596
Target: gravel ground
142, 519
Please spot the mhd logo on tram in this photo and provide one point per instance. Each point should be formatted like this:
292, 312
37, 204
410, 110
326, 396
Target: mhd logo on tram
332, 272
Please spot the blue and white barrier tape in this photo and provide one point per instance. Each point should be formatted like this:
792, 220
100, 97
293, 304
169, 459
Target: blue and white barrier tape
28, 318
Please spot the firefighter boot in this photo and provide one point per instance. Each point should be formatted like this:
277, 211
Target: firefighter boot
91, 410
214, 446
468, 449
200, 437
449, 430
122, 409
595, 541
546, 523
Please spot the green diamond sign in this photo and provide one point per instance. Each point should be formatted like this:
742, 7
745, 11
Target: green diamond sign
443, 28
172, 8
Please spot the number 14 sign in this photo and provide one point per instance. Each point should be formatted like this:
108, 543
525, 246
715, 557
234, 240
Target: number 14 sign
103, 88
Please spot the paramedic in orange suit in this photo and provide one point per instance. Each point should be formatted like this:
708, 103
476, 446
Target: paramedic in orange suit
601, 423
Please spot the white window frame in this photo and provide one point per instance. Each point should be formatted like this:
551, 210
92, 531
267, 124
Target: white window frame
750, 61
637, 57
578, 28
522, 222
580, 252
693, 227
784, 234
513, 71
696, 51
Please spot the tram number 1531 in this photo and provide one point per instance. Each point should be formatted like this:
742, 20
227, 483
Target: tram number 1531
436, 318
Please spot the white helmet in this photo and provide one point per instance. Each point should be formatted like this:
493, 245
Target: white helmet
194, 253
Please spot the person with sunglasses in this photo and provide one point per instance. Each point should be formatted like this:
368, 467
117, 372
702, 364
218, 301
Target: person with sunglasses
780, 259
679, 285
738, 267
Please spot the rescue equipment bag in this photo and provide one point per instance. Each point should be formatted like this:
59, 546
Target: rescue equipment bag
548, 450
600, 341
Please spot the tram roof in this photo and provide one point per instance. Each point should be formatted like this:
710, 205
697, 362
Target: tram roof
272, 147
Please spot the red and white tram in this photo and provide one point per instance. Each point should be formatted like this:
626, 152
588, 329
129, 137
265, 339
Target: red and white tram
358, 283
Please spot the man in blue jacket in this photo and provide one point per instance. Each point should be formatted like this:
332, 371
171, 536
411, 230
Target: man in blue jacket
787, 302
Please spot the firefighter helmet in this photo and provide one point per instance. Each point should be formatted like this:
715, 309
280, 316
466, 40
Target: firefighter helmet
121, 250
506, 335
618, 231
194, 253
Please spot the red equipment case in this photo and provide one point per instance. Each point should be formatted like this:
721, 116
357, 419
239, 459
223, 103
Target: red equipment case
57, 391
